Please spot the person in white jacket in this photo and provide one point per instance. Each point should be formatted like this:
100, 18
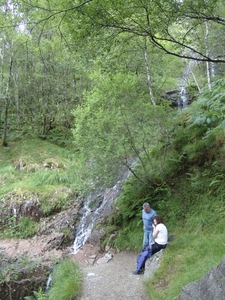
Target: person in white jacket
160, 234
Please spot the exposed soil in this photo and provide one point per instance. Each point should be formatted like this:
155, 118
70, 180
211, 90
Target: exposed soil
34, 248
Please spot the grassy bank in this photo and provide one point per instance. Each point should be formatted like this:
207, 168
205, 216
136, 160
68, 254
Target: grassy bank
35, 169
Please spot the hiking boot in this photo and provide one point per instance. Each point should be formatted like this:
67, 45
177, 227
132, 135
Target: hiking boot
136, 273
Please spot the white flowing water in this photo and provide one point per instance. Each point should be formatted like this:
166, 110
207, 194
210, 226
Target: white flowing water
183, 92
98, 204
183, 96
49, 282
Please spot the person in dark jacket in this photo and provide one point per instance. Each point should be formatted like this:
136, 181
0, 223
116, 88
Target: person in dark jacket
160, 234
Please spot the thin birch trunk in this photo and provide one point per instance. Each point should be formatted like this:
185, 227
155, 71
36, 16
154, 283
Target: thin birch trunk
195, 80
207, 54
7, 100
149, 82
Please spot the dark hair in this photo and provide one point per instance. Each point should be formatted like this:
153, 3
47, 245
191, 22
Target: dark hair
158, 219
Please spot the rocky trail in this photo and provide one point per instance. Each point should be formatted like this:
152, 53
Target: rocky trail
113, 280
106, 276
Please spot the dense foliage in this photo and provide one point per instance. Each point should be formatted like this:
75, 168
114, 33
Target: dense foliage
193, 171
83, 87
189, 194
50, 51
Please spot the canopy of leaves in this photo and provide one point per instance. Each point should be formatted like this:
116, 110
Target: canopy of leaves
116, 123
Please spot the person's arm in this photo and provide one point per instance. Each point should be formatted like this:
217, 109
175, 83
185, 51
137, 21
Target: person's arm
143, 220
155, 231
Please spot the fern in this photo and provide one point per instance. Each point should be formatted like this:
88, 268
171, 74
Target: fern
39, 295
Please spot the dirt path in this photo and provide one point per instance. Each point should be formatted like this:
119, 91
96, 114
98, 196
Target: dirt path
113, 280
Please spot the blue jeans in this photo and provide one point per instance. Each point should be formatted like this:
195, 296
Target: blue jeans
147, 238
146, 253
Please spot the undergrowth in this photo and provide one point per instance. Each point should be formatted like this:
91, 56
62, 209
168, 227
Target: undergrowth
184, 184
189, 194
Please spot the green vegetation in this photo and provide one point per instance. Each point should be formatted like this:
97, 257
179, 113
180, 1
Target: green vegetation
23, 229
183, 179
83, 87
119, 129
189, 194
66, 283
32, 169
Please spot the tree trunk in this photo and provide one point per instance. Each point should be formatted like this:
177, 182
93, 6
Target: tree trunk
195, 80
149, 82
207, 54
7, 97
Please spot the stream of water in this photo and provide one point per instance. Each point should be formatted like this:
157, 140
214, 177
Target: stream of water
97, 204
183, 92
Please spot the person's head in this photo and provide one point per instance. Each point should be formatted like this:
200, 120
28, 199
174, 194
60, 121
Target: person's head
146, 207
157, 220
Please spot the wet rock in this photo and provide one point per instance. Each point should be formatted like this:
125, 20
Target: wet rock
60, 228
54, 235
175, 97
96, 237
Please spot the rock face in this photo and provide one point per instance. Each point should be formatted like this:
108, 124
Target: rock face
25, 263
22, 207
21, 281
209, 287
152, 264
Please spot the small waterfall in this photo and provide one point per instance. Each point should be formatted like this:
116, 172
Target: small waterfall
183, 97
183, 102
49, 282
97, 204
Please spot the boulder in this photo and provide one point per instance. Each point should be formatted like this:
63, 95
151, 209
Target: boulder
152, 264
211, 286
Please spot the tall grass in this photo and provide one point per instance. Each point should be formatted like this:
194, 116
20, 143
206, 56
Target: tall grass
32, 168
66, 281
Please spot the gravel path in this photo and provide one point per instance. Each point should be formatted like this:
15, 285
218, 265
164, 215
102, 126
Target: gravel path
113, 280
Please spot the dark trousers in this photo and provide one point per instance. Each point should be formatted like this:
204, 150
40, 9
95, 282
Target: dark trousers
146, 253
157, 247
